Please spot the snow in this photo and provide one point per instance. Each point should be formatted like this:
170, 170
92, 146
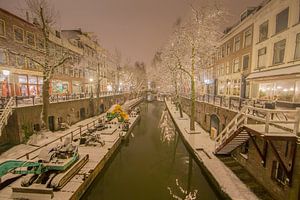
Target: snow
203, 148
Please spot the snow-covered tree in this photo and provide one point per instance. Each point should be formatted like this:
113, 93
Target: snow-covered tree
44, 15
193, 42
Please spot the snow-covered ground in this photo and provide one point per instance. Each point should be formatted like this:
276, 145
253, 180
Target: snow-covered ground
203, 148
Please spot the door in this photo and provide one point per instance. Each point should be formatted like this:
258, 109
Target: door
51, 123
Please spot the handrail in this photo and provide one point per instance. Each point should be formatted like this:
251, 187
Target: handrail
81, 130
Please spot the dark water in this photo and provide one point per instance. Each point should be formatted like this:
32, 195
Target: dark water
144, 168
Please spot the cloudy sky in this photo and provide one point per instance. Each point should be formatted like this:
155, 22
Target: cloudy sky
136, 27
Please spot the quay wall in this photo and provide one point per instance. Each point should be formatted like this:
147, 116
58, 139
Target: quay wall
26, 120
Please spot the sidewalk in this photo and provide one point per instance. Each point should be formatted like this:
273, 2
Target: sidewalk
203, 148
44, 138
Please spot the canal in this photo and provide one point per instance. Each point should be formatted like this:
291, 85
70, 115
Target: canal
148, 168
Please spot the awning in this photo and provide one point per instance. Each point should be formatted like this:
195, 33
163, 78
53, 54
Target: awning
275, 72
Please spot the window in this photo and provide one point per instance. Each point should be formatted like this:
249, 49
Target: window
228, 48
20, 61
19, 34
297, 48
237, 43
263, 31
228, 71
282, 20
236, 65
223, 52
261, 59
248, 38
12, 59
3, 58
279, 50
2, 27
40, 43
278, 173
246, 59
30, 39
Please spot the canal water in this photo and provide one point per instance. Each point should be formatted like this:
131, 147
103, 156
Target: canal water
147, 167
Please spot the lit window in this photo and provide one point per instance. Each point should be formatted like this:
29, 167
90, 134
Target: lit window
2, 27
279, 51
248, 38
263, 31
19, 34
261, 59
282, 20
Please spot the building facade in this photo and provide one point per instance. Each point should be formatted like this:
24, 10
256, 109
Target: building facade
21, 40
275, 72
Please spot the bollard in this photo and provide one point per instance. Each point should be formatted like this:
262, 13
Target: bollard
27, 156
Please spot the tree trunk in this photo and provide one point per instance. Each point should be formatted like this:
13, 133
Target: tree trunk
178, 99
192, 121
46, 103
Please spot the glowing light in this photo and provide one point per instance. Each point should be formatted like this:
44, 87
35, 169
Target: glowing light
91, 80
109, 88
5, 72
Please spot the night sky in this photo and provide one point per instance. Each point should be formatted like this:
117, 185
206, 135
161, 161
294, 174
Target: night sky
136, 27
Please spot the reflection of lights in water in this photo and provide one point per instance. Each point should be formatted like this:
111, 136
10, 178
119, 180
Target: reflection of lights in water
167, 128
186, 195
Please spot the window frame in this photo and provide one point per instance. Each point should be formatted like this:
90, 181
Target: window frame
251, 36
260, 39
297, 35
23, 33
287, 25
235, 39
34, 42
278, 63
258, 55
4, 28
249, 60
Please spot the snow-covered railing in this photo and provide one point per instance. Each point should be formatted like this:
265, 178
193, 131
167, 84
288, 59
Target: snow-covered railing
286, 120
5, 114
37, 100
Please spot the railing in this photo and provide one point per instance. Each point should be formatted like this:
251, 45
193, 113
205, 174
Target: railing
239, 120
82, 129
5, 113
37, 100
266, 117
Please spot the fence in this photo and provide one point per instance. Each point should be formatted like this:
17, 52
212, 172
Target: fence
37, 100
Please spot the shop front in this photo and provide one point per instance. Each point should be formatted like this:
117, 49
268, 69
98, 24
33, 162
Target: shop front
60, 87
76, 87
282, 85
282, 90
27, 85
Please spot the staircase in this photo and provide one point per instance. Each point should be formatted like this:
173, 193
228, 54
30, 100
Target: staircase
233, 135
5, 113
263, 124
